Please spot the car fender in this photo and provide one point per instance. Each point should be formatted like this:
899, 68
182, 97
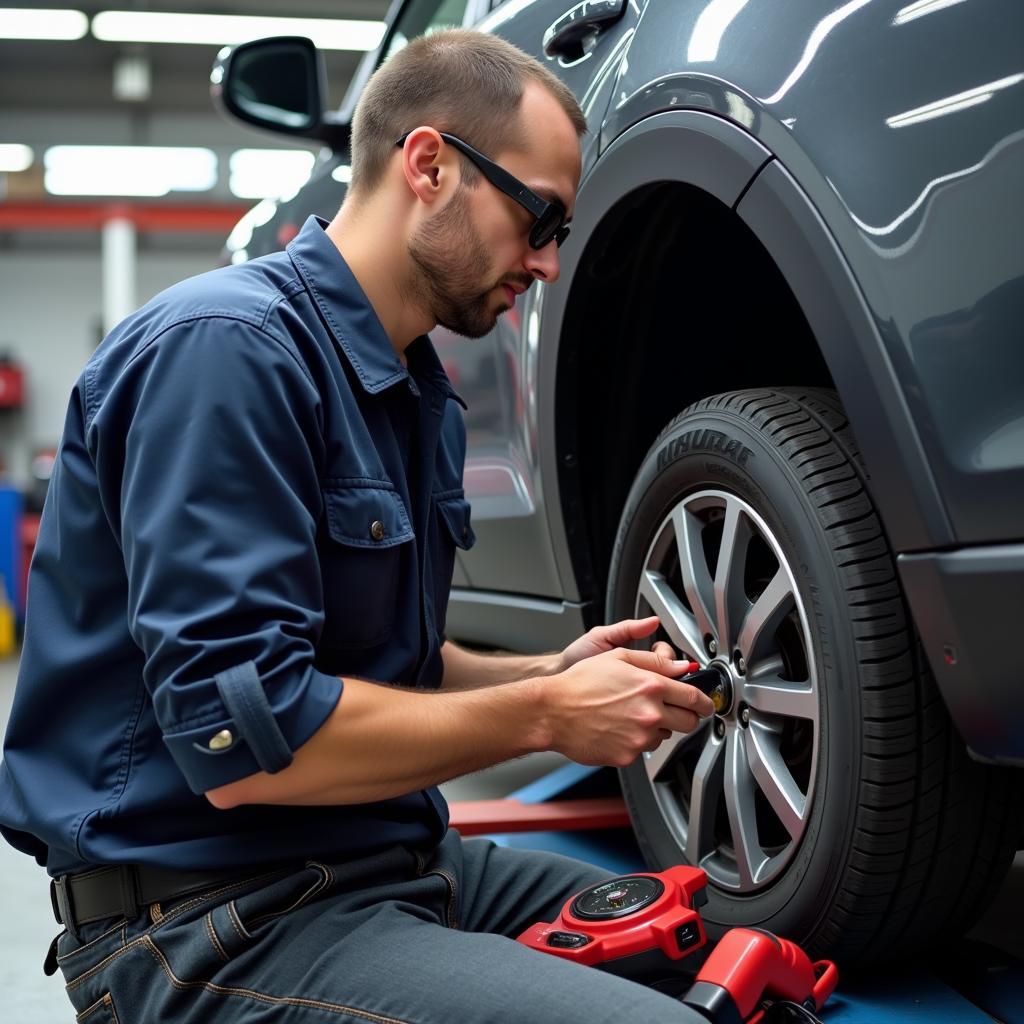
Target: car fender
707, 151
898, 141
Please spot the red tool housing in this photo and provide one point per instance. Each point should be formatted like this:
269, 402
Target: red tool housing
627, 916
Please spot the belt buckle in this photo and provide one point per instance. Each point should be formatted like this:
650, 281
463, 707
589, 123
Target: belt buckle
60, 901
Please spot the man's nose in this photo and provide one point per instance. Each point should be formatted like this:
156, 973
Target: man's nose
543, 263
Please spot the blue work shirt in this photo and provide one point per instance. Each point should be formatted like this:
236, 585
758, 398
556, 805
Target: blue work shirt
252, 497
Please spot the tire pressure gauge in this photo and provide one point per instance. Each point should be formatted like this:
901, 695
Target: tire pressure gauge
617, 898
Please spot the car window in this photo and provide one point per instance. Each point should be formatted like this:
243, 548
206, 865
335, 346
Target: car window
422, 17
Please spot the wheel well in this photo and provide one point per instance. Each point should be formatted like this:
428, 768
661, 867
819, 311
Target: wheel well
674, 300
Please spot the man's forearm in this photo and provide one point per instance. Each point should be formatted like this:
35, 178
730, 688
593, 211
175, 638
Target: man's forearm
470, 670
382, 742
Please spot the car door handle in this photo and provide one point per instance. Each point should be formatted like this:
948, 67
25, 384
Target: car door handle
577, 23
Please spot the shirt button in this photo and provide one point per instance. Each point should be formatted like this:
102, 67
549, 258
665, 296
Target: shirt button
221, 740
377, 530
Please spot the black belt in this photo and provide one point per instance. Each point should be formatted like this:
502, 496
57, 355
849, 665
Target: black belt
121, 890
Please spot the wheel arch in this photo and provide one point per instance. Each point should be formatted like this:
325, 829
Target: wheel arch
817, 330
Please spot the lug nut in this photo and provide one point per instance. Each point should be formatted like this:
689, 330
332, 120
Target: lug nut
742, 664
712, 647
744, 716
719, 728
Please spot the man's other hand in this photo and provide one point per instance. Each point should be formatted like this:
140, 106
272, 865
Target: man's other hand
602, 639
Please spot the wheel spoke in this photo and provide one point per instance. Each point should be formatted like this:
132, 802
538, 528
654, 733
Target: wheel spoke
774, 696
739, 804
765, 616
773, 776
708, 778
675, 619
656, 760
731, 602
694, 570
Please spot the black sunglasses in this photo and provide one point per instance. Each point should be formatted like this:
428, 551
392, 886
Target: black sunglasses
549, 217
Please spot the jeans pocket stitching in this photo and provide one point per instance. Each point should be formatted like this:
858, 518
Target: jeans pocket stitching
104, 1000
236, 922
63, 958
452, 892
75, 982
211, 931
206, 897
319, 885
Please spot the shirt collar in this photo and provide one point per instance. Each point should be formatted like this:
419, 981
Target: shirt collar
352, 320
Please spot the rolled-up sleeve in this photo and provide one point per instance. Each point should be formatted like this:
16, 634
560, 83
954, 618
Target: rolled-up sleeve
207, 448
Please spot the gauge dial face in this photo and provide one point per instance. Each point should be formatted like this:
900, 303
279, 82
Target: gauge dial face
617, 898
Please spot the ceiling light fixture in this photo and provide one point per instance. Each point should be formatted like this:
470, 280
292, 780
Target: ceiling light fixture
14, 158
268, 173
25, 23
225, 29
128, 170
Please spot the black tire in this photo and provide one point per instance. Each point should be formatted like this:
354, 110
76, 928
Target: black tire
901, 838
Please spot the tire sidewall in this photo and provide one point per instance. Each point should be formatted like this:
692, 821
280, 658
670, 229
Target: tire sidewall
715, 449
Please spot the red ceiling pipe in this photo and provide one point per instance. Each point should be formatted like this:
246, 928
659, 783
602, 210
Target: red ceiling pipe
34, 216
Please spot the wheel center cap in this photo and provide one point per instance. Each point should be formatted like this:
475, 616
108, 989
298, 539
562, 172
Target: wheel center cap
722, 695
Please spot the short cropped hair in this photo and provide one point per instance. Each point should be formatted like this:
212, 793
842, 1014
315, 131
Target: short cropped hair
460, 81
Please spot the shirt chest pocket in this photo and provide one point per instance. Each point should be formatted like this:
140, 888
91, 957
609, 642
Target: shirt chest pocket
365, 556
453, 531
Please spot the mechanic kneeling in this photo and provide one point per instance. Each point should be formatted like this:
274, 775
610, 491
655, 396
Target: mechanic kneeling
254, 514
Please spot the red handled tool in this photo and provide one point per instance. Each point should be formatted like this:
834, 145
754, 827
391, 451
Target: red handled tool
750, 968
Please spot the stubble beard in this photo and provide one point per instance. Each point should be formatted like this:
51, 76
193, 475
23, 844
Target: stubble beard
450, 256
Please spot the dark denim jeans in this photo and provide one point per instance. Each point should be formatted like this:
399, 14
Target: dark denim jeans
398, 937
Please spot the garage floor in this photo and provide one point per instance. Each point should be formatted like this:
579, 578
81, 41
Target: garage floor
27, 926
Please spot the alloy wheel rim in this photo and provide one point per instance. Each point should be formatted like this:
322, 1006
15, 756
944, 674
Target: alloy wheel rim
737, 793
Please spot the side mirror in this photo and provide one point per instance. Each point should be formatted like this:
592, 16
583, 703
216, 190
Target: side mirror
277, 84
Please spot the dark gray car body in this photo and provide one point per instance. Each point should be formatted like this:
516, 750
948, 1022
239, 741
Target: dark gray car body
870, 155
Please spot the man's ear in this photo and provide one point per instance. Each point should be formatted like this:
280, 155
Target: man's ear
428, 165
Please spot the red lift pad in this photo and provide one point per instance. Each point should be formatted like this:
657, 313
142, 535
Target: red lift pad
481, 817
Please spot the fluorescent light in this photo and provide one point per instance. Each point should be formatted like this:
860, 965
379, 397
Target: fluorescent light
268, 173
227, 29
920, 9
710, 27
15, 157
128, 170
23, 23
951, 104
817, 37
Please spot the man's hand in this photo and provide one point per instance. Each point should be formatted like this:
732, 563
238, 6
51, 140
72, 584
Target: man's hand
611, 707
602, 639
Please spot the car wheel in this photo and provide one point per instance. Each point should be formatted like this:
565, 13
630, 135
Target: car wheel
830, 799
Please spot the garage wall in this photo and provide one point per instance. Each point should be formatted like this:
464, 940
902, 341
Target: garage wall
50, 316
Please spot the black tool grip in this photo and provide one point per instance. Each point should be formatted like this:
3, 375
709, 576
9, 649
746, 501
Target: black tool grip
705, 679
